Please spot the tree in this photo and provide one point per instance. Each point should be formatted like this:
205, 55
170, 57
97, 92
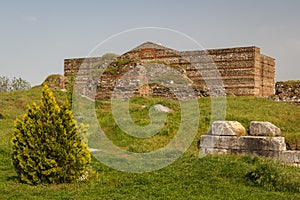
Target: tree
4, 84
15, 84
46, 147
19, 84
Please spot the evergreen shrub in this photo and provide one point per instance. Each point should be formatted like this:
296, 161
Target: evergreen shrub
46, 146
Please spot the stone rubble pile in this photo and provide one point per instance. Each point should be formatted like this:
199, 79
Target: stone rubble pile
287, 91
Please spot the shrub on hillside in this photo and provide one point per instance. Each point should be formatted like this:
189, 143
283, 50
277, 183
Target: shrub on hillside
46, 147
273, 177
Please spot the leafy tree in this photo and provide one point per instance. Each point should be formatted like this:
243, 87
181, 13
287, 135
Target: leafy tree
7, 85
46, 144
19, 84
4, 84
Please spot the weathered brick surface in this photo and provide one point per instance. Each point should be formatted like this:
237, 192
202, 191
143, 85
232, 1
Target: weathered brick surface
242, 71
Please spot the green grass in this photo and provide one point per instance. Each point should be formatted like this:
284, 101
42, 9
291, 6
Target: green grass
189, 177
242, 109
286, 117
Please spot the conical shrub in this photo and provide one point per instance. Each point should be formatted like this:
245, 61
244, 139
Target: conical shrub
46, 147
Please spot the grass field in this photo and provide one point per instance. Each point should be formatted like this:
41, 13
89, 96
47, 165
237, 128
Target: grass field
189, 177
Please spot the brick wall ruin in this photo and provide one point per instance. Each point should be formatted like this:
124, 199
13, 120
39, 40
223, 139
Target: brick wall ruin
242, 71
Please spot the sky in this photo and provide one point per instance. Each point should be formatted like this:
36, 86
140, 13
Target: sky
36, 36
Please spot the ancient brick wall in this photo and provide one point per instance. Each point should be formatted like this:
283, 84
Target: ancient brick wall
236, 68
86, 65
242, 71
268, 75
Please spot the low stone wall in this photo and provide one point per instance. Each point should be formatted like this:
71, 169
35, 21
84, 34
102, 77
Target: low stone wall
264, 140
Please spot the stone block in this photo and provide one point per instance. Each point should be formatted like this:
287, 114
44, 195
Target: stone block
247, 143
220, 142
205, 151
264, 129
226, 128
290, 156
262, 143
161, 108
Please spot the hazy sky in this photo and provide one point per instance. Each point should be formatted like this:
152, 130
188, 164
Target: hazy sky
36, 36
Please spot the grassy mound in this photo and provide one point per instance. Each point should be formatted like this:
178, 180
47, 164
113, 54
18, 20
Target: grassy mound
54, 81
211, 177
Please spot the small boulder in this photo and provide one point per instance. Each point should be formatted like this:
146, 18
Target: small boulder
264, 129
161, 108
229, 128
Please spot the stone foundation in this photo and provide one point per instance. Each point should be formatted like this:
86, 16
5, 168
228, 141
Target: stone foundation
262, 145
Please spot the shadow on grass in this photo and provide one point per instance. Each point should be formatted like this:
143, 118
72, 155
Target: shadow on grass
12, 178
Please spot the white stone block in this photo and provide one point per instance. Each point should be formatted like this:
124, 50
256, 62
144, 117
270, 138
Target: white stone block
264, 129
262, 143
220, 142
228, 128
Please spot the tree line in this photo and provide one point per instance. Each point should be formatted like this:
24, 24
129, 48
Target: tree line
7, 85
